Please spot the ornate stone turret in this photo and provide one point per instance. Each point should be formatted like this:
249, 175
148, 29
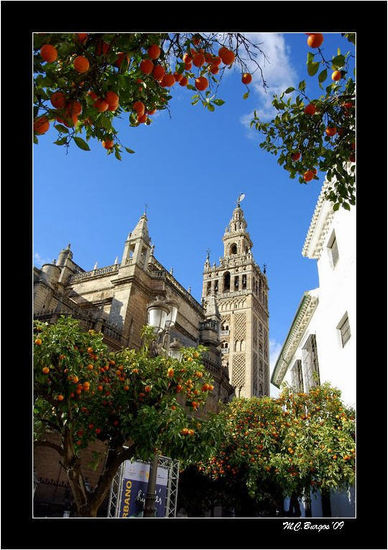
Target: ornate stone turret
239, 289
137, 248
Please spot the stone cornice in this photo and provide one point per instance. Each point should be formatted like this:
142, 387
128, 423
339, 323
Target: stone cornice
301, 320
319, 226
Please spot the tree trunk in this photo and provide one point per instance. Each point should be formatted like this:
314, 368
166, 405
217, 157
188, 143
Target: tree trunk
307, 502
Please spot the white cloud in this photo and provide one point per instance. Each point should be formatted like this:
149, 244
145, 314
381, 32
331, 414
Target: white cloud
277, 69
39, 260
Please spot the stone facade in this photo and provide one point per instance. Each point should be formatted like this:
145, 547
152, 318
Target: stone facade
114, 300
240, 290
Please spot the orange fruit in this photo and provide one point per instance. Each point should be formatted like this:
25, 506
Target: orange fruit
154, 51
310, 109
216, 60
82, 36
112, 100
45, 370
187, 58
201, 83
188, 65
38, 342
315, 40
168, 80
101, 105
41, 125
337, 75
214, 69
295, 156
74, 108
198, 59
183, 81
158, 72
139, 107
147, 389
331, 131
92, 94
81, 64
108, 144
60, 397
142, 118
178, 76
227, 56
146, 66
246, 78
48, 53
58, 100
308, 175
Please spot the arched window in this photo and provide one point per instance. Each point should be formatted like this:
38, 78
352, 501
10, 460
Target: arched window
226, 281
244, 281
233, 248
236, 282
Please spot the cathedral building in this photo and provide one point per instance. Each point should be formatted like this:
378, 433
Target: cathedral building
231, 321
241, 292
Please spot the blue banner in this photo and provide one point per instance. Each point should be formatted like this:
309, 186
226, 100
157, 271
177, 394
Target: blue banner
134, 490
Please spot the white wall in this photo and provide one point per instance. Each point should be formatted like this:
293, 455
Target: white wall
337, 295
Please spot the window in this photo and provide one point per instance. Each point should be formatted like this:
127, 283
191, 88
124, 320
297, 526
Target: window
244, 281
216, 286
236, 283
297, 376
310, 363
226, 281
344, 329
209, 287
233, 249
333, 249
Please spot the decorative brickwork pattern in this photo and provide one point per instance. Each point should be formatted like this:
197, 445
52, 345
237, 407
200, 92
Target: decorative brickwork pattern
254, 374
240, 324
254, 330
238, 370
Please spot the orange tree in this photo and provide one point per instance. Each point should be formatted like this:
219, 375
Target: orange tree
133, 403
289, 446
83, 82
310, 133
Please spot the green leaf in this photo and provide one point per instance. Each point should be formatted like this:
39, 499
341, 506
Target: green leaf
210, 106
310, 58
336, 207
81, 144
129, 150
322, 76
302, 85
218, 102
245, 96
61, 128
117, 155
338, 61
289, 90
61, 141
312, 68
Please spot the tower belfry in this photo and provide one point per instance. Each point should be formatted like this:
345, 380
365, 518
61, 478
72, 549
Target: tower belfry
241, 292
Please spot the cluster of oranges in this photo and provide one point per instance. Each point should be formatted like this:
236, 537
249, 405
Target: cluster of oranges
150, 66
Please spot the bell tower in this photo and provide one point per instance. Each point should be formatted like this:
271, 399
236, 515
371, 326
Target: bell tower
241, 292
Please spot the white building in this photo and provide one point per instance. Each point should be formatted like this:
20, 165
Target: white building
321, 343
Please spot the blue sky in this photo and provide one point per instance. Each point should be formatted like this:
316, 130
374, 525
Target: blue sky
189, 169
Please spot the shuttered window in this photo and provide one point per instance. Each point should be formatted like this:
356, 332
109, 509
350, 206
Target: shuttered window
344, 329
310, 363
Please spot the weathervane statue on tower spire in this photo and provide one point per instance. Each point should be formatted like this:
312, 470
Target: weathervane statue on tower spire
241, 197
